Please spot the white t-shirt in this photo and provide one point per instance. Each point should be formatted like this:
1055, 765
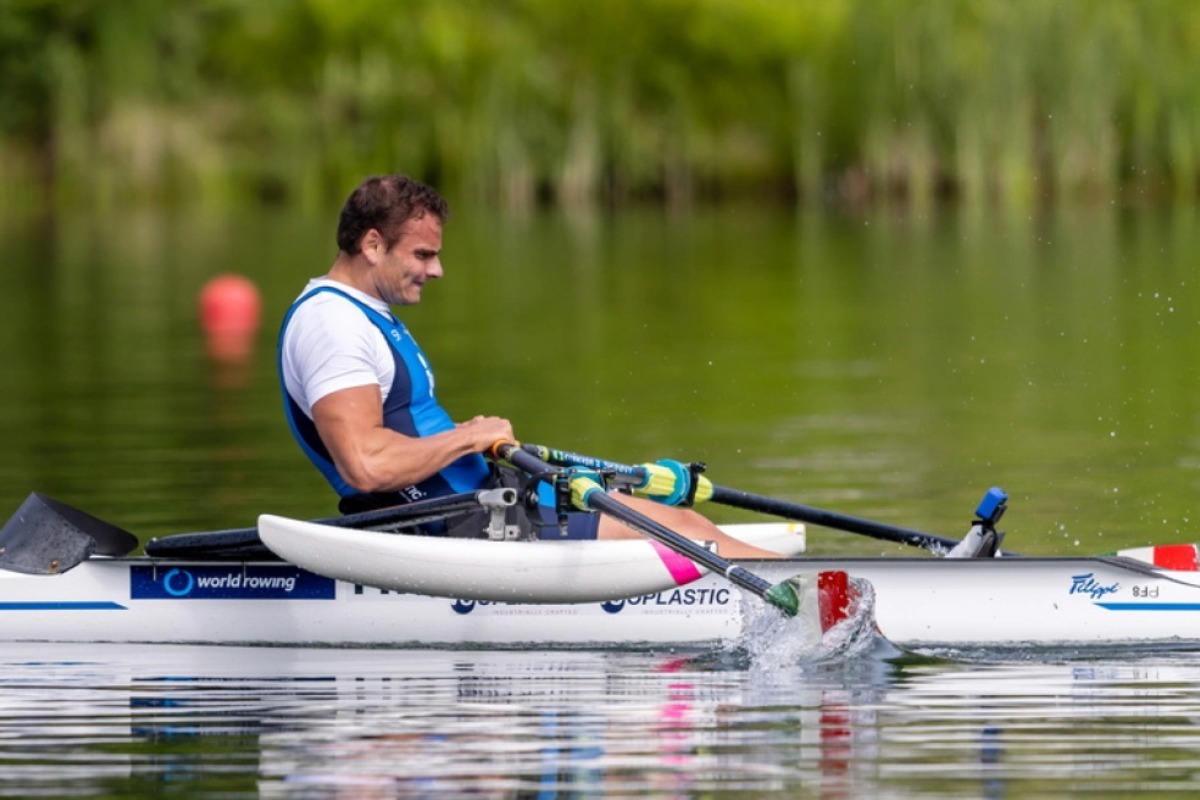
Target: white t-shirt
330, 345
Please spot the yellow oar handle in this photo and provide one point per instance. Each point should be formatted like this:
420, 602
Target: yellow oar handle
582, 486
669, 482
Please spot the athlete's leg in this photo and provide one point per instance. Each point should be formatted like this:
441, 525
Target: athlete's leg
683, 521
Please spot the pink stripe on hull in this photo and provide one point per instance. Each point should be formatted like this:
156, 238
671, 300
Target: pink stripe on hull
683, 570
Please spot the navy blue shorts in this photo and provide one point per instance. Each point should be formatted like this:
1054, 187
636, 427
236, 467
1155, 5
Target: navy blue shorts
581, 525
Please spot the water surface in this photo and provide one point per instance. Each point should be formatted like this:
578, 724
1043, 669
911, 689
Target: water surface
245, 722
885, 365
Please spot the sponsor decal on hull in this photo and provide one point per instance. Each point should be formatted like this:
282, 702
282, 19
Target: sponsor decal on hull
1086, 584
695, 598
1145, 597
674, 597
234, 582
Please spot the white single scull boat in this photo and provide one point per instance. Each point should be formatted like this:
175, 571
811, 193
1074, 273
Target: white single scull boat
920, 602
142, 599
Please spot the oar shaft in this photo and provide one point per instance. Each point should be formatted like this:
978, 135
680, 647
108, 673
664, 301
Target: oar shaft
829, 519
439, 506
766, 505
578, 460
245, 541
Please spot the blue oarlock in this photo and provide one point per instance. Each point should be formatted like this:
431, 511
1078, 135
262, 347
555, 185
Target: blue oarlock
993, 506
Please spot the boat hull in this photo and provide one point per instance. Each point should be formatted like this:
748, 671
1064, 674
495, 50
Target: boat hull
138, 600
1029, 601
919, 602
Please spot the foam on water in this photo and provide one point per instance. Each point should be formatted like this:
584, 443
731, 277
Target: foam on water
773, 640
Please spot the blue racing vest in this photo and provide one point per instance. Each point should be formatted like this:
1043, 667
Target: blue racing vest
411, 409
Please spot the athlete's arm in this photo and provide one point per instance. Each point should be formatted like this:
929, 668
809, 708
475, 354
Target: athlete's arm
373, 458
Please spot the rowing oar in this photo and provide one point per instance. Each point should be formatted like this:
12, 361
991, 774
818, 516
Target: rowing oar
48, 537
240, 543
665, 482
586, 493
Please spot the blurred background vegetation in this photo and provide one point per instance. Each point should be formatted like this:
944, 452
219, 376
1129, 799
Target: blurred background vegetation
225, 103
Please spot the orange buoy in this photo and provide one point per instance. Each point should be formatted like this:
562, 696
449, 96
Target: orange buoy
230, 311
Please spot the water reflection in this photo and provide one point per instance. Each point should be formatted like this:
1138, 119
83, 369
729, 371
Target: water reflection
246, 722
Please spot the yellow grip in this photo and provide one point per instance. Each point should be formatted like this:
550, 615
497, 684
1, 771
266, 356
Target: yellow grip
581, 487
670, 484
660, 482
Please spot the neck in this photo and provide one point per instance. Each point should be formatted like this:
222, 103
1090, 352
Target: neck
352, 271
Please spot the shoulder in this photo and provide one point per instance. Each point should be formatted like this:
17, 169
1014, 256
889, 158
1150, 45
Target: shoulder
328, 344
327, 322
323, 318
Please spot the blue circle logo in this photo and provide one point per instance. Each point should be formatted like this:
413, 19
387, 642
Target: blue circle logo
174, 577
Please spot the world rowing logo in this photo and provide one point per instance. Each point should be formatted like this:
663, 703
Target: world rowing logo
201, 582
178, 583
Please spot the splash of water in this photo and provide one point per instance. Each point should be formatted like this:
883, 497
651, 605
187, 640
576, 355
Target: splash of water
773, 640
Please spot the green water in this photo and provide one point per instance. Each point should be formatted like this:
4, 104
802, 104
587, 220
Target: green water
887, 366
883, 364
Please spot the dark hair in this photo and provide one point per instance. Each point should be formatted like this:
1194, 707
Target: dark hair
386, 203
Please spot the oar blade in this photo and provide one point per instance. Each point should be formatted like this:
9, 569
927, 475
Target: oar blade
46, 537
825, 597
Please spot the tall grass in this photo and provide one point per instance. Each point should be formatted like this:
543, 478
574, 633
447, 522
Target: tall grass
227, 102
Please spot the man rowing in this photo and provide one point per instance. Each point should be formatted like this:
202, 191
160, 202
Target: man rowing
359, 393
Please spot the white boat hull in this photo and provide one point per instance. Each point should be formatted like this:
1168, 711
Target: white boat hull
135, 600
1030, 601
919, 602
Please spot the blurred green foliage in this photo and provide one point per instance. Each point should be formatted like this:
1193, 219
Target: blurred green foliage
515, 102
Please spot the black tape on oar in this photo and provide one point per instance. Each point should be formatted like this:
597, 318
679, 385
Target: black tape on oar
46, 537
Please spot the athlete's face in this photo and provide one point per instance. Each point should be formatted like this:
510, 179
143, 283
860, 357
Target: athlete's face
401, 272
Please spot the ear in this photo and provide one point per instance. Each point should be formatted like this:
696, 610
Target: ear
372, 246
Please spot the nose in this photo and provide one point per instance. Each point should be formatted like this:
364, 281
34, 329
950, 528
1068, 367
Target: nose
433, 268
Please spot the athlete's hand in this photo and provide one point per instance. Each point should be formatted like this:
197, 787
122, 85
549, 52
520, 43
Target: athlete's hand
486, 431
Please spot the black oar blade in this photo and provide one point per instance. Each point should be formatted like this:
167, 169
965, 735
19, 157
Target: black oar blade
46, 537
